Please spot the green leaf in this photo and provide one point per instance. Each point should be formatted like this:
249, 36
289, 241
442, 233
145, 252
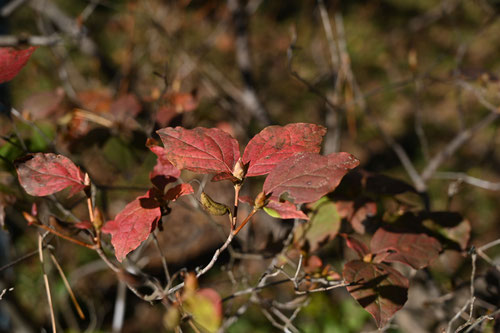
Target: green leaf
323, 225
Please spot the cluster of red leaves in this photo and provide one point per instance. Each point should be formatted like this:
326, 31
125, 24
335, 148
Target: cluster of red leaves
295, 174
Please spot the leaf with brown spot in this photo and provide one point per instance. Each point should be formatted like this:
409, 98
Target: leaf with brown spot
306, 177
44, 174
276, 143
378, 288
202, 150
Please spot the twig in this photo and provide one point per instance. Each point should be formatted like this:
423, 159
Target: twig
242, 48
18, 260
68, 238
489, 245
46, 281
481, 319
119, 310
252, 213
162, 256
68, 287
456, 316
9, 40
327, 28
403, 157
456, 143
484, 184
11, 7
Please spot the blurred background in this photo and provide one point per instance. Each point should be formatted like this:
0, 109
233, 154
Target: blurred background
411, 88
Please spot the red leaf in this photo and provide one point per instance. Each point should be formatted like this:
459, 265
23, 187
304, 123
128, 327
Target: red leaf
276, 143
202, 150
414, 249
164, 172
178, 191
284, 210
361, 249
306, 177
133, 225
378, 288
45, 104
12, 60
125, 107
43, 174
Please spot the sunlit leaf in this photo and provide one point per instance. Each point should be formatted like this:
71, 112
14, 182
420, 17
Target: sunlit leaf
133, 225
44, 174
306, 177
202, 150
276, 143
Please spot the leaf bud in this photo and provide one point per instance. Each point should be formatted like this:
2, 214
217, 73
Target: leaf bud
240, 170
98, 219
261, 200
213, 207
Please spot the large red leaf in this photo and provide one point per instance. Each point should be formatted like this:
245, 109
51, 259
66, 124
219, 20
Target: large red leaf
284, 210
306, 177
202, 150
133, 225
378, 288
276, 143
43, 174
12, 60
414, 249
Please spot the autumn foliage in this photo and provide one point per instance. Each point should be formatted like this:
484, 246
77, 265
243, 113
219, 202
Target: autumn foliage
301, 190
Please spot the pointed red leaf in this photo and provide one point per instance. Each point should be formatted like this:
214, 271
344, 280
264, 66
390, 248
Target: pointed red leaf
306, 177
178, 191
133, 225
202, 150
12, 61
378, 288
361, 249
276, 143
414, 249
43, 174
284, 210
164, 172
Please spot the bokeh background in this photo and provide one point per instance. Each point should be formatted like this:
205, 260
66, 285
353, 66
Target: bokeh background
396, 83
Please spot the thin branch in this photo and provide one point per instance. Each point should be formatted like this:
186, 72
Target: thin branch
119, 310
22, 258
11, 7
456, 143
240, 18
162, 256
46, 281
68, 286
9, 40
461, 176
